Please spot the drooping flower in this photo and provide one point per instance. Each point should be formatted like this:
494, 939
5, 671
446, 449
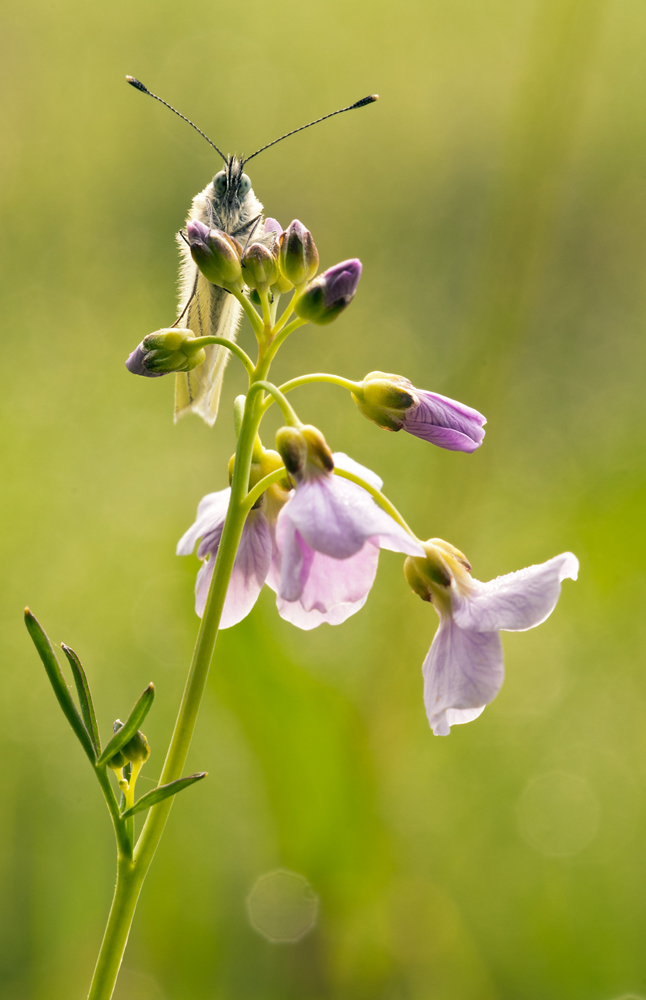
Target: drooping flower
464, 669
256, 549
392, 402
328, 534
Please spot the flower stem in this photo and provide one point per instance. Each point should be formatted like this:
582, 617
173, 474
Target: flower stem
230, 345
132, 872
382, 500
345, 383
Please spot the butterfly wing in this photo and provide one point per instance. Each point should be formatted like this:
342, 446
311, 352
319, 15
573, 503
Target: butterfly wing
213, 312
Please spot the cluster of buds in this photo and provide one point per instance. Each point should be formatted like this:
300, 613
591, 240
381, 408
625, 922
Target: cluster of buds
128, 761
274, 264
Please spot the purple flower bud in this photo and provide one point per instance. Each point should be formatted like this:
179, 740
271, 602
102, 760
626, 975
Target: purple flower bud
299, 258
135, 363
216, 254
171, 350
394, 403
259, 267
330, 293
273, 226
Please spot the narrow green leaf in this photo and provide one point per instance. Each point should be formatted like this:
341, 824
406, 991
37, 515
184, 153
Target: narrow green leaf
85, 698
132, 723
162, 792
56, 679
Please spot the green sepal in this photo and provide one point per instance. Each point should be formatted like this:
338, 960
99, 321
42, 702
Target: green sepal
85, 697
162, 792
56, 679
128, 730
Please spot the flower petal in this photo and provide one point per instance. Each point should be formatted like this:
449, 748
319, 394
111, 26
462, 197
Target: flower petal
343, 461
211, 513
336, 517
249, 571
294, 613
248, 576
514, 602
318, 606
445, 422
463, 670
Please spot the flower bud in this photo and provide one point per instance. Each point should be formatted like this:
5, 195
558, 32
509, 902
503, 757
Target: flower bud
304, 449
385, 399
318, 451
259, 267
430, 576
168, 350
137, 749
330, 293
216, 254
391, 401
118, 760
292, 448
298, 256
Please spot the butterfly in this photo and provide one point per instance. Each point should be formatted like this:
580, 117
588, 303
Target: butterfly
228, 203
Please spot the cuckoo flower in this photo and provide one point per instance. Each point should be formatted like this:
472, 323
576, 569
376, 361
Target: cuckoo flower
256, 548
464, 670
393, 402
328, 534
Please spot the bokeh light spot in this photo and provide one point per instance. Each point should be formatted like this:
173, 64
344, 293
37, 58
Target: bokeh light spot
558, 814
282, 906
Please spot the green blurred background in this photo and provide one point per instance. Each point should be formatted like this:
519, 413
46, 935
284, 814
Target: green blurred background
496, 195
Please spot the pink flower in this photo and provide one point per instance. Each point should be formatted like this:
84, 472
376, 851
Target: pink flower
321, 558
464, 668
328, 537
252, 561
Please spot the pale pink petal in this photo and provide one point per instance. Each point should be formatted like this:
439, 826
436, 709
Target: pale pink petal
343, 461
463, 670
211, 512
249, 571
515, 602
296, 614
458, 716
336, 517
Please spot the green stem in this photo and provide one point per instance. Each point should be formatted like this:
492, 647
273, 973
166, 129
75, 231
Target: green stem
284, 334
131, 874
379, 497
229, 344
287, 312
124, 846
288, 411
259, 488
115, 939
345, 383
254, 318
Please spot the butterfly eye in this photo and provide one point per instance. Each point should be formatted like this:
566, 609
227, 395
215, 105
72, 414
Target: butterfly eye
244, 187
220, 183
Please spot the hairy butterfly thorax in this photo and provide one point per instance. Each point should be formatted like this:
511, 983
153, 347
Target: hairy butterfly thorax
228, 204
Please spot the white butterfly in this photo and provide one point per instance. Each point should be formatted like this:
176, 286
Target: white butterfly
228, 203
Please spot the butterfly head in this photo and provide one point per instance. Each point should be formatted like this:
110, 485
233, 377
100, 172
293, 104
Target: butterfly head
231, 186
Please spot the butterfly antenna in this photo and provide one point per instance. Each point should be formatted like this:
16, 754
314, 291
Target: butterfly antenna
359, 104
138, 85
